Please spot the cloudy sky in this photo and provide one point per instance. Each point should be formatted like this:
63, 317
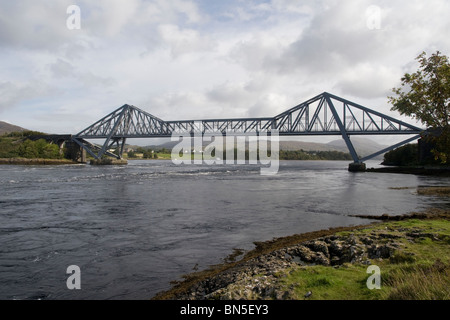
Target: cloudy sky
193, 59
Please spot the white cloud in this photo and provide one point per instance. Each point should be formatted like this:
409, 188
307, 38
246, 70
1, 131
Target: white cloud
108, 17
34, 25
13, 95
202, 59
61, 69
367, 80
184, 41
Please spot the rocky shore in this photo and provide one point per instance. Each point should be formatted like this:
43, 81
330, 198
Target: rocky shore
443, 171
266, 272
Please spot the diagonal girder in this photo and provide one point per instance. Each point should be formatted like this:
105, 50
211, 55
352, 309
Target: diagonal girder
324, 114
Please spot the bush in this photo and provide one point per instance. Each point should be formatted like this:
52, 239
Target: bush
38, 149
404, 156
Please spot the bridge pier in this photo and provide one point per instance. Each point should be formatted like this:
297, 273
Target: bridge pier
357, 167
75, 152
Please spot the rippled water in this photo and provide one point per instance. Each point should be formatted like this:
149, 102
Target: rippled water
132, 229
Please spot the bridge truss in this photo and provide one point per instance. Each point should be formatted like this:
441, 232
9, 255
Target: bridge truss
325, 114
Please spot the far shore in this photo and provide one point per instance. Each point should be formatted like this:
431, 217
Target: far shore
418, 170
36, 161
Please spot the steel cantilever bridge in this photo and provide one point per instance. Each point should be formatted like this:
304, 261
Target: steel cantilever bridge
325, 114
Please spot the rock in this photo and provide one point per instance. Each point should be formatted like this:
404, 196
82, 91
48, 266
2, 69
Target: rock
380, 251
320, 258
282, 295
366, 240
388, 236
336, 248
357, 252
304, 253
421, 235
335, 261
318, 246
331, 238
352, 240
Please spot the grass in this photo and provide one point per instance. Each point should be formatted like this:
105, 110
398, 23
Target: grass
423, 281
440, 191
420, 270
35, 161
140, 156
347, 282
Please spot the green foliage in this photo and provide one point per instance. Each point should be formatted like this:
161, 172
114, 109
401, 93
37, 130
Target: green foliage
314, 155
23, 134
425, 95
283, 155
140, 150
406, 155
417, 270
147, 154
12, 147
38, 149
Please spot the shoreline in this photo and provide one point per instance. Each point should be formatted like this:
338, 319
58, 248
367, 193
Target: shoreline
266, 272
418, 170
181, 290
35, 161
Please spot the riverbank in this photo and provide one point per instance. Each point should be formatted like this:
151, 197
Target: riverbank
108, 161
434, 171
412, 252
35, 161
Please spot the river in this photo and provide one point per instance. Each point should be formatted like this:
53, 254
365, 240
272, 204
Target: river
133, 229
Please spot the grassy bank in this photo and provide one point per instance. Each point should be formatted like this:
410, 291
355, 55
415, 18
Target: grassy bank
412, 252
35, 161
443, 171
417, 268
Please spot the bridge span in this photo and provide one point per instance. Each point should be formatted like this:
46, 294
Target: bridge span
324, 114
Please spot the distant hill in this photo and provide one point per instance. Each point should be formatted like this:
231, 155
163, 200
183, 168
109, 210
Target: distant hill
363, 146
6, 127
306, 146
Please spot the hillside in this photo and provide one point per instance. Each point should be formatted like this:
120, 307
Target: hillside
363, 146
6, 127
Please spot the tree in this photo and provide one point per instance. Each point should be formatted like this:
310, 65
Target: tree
38, 149
425, 95
28, 149
147, 154
403, 156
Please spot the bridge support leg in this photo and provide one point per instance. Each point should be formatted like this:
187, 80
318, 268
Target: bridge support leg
357, 167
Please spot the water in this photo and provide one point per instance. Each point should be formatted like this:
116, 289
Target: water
133, 229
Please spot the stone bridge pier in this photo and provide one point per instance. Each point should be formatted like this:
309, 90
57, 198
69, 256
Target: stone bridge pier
74, 151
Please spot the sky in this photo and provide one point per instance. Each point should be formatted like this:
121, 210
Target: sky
200, 59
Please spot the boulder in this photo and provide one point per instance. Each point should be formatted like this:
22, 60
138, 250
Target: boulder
318, 246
